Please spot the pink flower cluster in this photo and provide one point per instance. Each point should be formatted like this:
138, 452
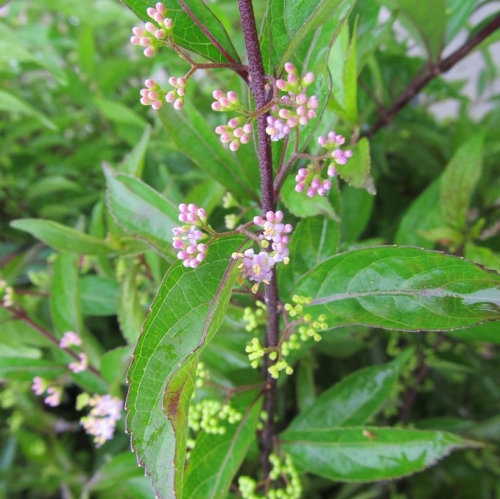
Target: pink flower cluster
186, 237
68, 340
331, 143
310, 178
257, 267
101, 421
153, 95
234, 134
54, 393
153, 34
316, 184
293, 109
225, 102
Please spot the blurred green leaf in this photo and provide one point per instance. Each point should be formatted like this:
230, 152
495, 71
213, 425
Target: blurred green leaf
459, 181
25, 369
355, 210
63, 238
12, 104
133, 164
99, 295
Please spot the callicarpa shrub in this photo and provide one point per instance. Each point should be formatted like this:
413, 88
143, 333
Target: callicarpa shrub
231, 255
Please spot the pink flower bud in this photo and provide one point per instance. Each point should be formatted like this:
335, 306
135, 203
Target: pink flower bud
153, 95
157, 104
145, 101
282, 85
181, 92
238, 132
149, 51
170, 97
299, 187
232, 97
247, 128
224, 102
194, 263
150, 83
233, 122
168, 23
145, 41
292, 79
158, 18
151, 11
234, 145
160, 34
301, 99
225, 138
135, 40
150, 27
322, 141
181, 81
183, 208
218, 94
178, 104
173, 81
220, 129
308, 79
244, 139
137, 31
289, 67
161, 8
292, 122
216, 106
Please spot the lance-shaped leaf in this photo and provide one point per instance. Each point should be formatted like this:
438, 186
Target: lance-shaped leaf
141, 211
403, 289
356, 171
459, 181
195, 27
368, 454
198, 141
63, 238
216, 458
186, 313
353, 400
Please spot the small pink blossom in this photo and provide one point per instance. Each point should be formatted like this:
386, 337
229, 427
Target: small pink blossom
70, 339
54, 397
81, 364
38, 385
101, 421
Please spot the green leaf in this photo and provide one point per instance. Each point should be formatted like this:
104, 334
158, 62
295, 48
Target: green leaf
426, 21
187, 33
141, 211
368, 454
119, 113
354, 399
313, 240
303, 206
356, 207
350, 80
216, 458
356, 172
185, 314
198, 141
482, 255
49, 185
133, 164
459, 181
99, 295
457, 13
25, 369
130, 313
304, 16
423, 214
402, 289
63, 238
114, 364
488, 332
12, 104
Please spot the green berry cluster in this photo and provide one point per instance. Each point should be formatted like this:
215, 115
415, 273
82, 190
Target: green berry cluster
253, 318
208, 415
283, 470
202, 375
310, 326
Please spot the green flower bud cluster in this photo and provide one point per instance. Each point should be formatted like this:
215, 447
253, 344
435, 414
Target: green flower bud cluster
281, 365
255, 351
311, 326
202, 374
209, 414
282, 469
253, 318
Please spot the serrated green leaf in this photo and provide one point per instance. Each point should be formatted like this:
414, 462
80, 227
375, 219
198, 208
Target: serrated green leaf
303, 206
198, 141
354, 399
423, 214
402, 289
356, 172
133, 163
185, 314
63, 238
216, 458
313, 240
459, 180
216, 47
141, 211
369, 454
